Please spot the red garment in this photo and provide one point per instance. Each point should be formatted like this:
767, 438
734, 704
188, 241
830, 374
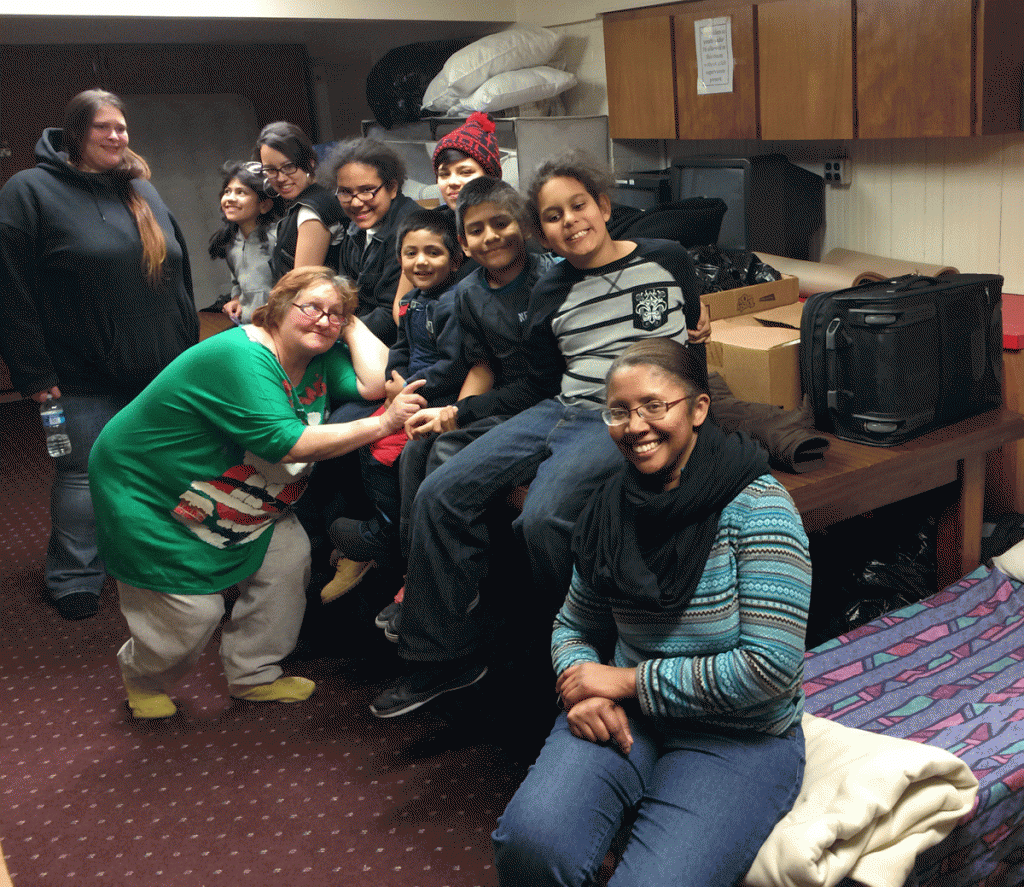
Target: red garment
387, 449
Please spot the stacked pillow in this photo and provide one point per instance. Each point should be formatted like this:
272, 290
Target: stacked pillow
497, 72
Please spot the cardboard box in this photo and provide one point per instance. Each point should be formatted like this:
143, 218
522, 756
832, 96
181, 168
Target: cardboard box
751, 299
758, 354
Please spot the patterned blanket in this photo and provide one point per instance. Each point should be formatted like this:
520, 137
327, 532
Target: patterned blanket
947, 671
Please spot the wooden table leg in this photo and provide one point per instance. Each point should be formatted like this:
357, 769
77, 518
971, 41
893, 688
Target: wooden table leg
1005, 467
958, 541
972, 507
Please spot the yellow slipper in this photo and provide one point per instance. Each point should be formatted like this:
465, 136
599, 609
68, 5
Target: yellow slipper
348, 575
284, 689
149, 704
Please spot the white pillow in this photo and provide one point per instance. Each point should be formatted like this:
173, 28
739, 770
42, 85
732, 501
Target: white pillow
1011, 562
521, 46
514, 88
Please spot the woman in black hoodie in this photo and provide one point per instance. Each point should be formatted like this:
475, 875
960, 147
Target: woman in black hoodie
96, 300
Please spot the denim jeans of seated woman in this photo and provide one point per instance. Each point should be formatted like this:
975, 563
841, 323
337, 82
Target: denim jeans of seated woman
705, 805
72, 562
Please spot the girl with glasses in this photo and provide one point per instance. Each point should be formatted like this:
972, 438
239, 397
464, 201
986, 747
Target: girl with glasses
308, 234
249, 213
366, 177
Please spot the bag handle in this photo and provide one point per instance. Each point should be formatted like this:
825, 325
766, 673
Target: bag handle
910, 281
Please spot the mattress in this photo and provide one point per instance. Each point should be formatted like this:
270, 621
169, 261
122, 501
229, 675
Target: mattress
947, 671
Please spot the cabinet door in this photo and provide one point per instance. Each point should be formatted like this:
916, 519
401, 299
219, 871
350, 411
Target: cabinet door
914, 68
999, 64
806, 72
718, 115
639, 70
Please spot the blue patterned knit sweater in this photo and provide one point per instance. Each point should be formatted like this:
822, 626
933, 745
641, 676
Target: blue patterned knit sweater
733, 657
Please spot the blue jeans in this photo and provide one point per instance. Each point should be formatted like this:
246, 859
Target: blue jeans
421, 457
704, 807
72, 562
564, 453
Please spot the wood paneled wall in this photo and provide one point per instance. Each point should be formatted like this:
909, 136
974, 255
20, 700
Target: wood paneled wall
956, 202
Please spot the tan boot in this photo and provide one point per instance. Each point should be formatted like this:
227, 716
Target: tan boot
348, 575
284, 689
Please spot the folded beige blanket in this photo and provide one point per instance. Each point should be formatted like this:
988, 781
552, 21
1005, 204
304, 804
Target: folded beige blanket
869, 805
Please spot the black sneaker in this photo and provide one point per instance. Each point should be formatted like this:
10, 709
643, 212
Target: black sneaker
369, 540
384, 616
427, 682
78, 605
394, 621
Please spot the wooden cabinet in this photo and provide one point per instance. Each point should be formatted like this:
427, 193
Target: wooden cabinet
716, 115
820, 70
938, 67
805, 53
651, 67
640, 73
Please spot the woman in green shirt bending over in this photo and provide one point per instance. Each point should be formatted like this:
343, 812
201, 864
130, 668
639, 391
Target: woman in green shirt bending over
194, 483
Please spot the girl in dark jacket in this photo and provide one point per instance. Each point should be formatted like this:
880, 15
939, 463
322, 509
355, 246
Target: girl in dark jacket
367, 176
308, 234
246, 239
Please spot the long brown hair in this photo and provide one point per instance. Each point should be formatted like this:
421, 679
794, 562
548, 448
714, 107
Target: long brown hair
78, 117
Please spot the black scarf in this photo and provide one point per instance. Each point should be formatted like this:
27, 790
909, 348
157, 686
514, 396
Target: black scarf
652, 545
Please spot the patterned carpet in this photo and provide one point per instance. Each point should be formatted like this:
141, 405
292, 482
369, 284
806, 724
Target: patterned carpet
228, 792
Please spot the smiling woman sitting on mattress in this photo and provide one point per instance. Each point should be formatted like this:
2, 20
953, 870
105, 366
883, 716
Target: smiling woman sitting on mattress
692, 574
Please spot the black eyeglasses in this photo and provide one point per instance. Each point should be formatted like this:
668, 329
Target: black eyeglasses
314, 313
364, 194
650, 411
285, 169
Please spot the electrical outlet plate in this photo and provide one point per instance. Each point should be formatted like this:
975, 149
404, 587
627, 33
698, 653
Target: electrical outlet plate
837, 171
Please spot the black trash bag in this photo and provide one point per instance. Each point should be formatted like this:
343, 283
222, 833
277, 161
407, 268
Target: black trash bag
690, 222
1001, 535
621, 218
872, 564
722, 269
396, 84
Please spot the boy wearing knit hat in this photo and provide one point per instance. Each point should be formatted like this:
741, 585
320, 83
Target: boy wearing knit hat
464, 154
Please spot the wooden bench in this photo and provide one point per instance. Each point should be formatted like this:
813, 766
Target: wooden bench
857, 479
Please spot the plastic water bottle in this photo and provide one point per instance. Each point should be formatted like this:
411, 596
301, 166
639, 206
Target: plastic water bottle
55, 425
